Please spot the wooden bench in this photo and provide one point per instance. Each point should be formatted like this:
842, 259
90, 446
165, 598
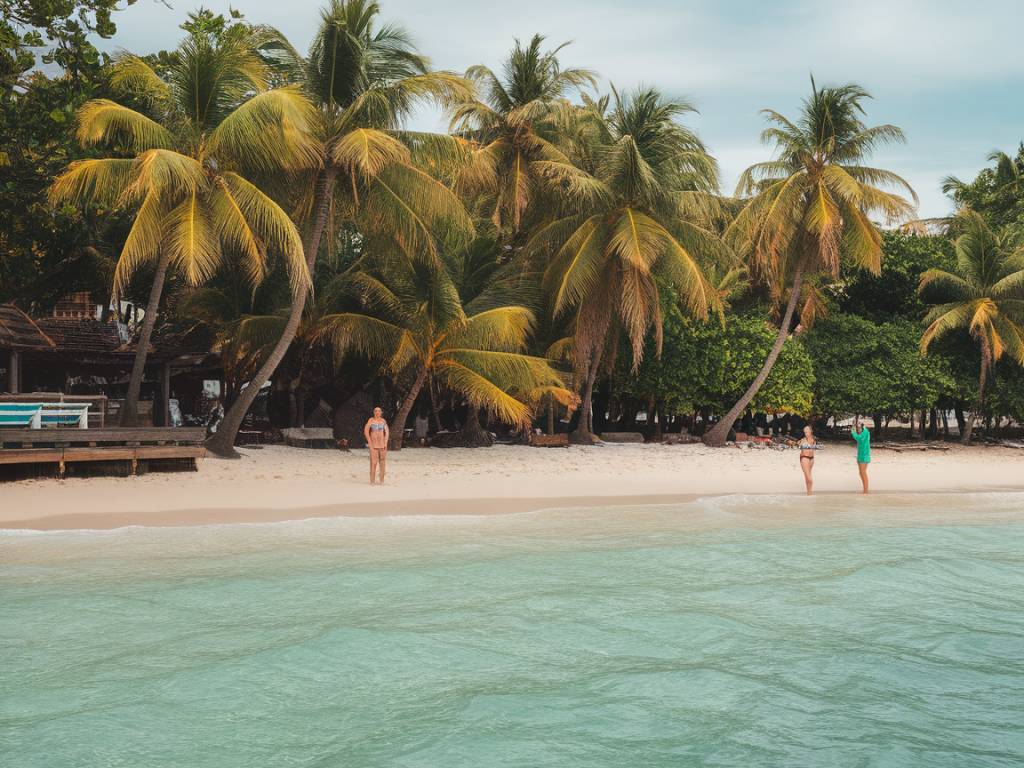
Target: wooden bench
27, 415
97, 404
550, 441
64, 446
622, 437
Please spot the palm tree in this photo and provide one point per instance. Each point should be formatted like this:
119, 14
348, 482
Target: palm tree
414, 320
512, 126
1007, 174
985, 297
810, 207
365, 80
212, 120
653, 181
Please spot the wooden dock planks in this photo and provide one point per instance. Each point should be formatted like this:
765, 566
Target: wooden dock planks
66, 446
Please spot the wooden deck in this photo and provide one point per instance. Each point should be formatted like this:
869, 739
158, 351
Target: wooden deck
142, 446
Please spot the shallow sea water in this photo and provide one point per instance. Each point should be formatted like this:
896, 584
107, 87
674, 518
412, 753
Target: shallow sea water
742, 631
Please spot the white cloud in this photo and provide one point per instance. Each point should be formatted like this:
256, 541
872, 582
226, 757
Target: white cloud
947, 72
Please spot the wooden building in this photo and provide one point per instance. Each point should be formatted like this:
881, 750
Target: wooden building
82, 356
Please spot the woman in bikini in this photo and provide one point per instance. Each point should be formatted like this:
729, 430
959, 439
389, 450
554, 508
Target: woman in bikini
377, 435
807, 448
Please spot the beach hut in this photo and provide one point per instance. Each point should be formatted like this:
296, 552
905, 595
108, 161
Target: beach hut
56, 367
79, 356
19, 334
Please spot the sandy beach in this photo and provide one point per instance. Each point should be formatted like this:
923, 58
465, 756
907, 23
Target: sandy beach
278, 483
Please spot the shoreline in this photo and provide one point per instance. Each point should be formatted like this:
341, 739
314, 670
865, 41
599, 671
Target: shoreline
278, 484
455, 507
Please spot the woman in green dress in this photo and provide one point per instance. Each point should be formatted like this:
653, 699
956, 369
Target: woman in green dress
862, 437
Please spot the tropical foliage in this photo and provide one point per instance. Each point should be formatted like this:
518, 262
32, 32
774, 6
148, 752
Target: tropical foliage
364, 79
413, 319
984, 297
511, 124
646, 219
810, 206
559, 249
203, 124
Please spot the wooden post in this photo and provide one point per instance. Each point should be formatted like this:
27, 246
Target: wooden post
13, 373
165, 389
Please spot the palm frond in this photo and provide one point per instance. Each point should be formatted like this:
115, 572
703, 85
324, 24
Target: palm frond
272, 131
88, 182
102, 121
276, 231
143, 243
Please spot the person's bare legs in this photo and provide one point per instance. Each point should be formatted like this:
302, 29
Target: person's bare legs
806, 463
864, 476
374, 459
382, 462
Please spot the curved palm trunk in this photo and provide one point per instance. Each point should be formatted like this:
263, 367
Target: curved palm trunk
718, 434
222, 442
130, 409
979, 406
398, 425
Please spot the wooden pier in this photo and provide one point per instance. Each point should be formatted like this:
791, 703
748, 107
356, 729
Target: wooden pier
135, 447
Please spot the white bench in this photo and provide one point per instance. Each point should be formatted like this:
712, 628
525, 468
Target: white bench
40, 415
21, 415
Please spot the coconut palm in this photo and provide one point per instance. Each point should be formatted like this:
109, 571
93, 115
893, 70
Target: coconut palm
1007, 174
513, 127
364, 79
210, 121
653, 181
413, 319
810, 207
984, 297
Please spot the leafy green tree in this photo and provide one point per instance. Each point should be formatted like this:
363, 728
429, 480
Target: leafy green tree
748, 338
184, 176
704, 365
61, 28
984, 296
863, 367
1006, 396
893, 292
643, 223
811, 207
364, 80
46, 254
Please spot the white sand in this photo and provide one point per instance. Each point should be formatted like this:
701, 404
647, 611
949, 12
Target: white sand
277, 483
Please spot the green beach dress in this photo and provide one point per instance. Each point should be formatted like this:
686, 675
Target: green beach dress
863, 441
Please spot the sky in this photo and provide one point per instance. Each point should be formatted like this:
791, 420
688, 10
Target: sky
948, 72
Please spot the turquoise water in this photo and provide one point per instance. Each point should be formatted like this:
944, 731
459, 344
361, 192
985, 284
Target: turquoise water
728, 632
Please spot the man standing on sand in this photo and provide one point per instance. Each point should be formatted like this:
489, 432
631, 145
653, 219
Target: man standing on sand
862, 437
377, 434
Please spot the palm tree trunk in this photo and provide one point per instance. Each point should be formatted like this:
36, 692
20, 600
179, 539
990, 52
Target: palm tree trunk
583, 434
474, 434
980, 405
434, 412
718, 434
398, 425
130, 409
222, 442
